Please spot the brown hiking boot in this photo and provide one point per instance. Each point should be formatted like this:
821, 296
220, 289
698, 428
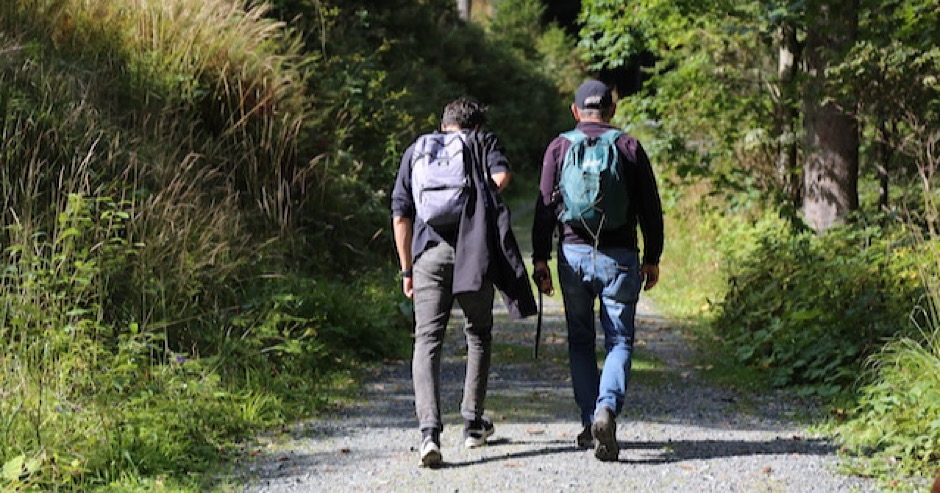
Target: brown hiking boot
604, 430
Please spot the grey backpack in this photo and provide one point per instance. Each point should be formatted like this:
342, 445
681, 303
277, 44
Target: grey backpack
440, 182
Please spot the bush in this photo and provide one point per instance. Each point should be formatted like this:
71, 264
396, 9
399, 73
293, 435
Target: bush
896, 417
300, 326
808, 309
197, 218
898, 411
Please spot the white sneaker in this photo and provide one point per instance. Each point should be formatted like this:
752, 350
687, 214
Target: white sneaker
430, 452
477, 431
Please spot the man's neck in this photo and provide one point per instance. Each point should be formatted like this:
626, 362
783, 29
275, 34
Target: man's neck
454, 128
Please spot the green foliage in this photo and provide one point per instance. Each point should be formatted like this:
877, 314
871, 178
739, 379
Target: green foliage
897, 412
893, 425
606, 39
560, 61
194, 200
298, 326
86, 401
893, 429
893, 82
548, 51
913, 23
718, 111
691, 263
518, 23
809, 309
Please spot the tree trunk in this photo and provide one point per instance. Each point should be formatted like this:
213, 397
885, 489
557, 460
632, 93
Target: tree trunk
463, 8
883, 165
788, 62
831, 167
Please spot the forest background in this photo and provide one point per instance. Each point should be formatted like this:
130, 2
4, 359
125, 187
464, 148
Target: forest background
195, 218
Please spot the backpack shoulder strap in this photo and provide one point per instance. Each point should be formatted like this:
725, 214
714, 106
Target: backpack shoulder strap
428, 142
612, 135
574, 136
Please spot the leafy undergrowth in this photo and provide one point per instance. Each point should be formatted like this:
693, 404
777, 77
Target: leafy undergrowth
84, 410
893, 428
844, 319
809, 309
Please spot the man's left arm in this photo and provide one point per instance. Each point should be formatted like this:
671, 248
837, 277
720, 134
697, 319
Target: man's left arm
544, 221
650, 212
495, 160
501, 179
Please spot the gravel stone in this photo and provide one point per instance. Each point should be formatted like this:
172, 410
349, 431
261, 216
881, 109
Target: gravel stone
676, 434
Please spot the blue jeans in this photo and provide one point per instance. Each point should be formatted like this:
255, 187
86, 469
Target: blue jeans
613, 275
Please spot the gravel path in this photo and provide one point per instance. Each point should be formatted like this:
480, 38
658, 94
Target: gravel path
676, 434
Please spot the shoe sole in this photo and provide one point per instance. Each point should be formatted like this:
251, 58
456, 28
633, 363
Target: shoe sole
432, 458
474, 442
605, 432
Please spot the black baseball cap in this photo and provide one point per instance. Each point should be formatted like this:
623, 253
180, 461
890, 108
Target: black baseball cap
593, 94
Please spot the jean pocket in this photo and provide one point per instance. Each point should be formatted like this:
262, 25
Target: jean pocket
625, 284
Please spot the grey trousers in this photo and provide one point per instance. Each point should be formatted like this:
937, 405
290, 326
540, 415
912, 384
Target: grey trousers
433, 299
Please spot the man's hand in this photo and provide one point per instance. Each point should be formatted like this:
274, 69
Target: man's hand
402, 227
650, 275
543, 278
408, 287
501, 179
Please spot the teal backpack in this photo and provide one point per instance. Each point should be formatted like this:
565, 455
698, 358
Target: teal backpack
594, 194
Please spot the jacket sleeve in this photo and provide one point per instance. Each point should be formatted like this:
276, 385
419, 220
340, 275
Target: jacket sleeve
544, 222
649, 208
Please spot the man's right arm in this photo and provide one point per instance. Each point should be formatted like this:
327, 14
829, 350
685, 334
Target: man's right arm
403, 211
402, 229
544, 221
649, 211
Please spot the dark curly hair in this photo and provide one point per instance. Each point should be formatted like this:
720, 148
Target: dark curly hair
465, 113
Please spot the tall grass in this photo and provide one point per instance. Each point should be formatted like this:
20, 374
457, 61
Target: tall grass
209, 99
896, 421
145, 147
181, 186
217, 76
896, 418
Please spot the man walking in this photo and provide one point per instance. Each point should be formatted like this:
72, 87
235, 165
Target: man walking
453, 240
596, 187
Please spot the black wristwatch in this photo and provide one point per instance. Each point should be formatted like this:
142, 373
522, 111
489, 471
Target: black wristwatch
405, 273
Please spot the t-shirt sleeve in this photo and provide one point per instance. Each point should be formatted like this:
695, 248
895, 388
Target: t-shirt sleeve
402, 201
494, 154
